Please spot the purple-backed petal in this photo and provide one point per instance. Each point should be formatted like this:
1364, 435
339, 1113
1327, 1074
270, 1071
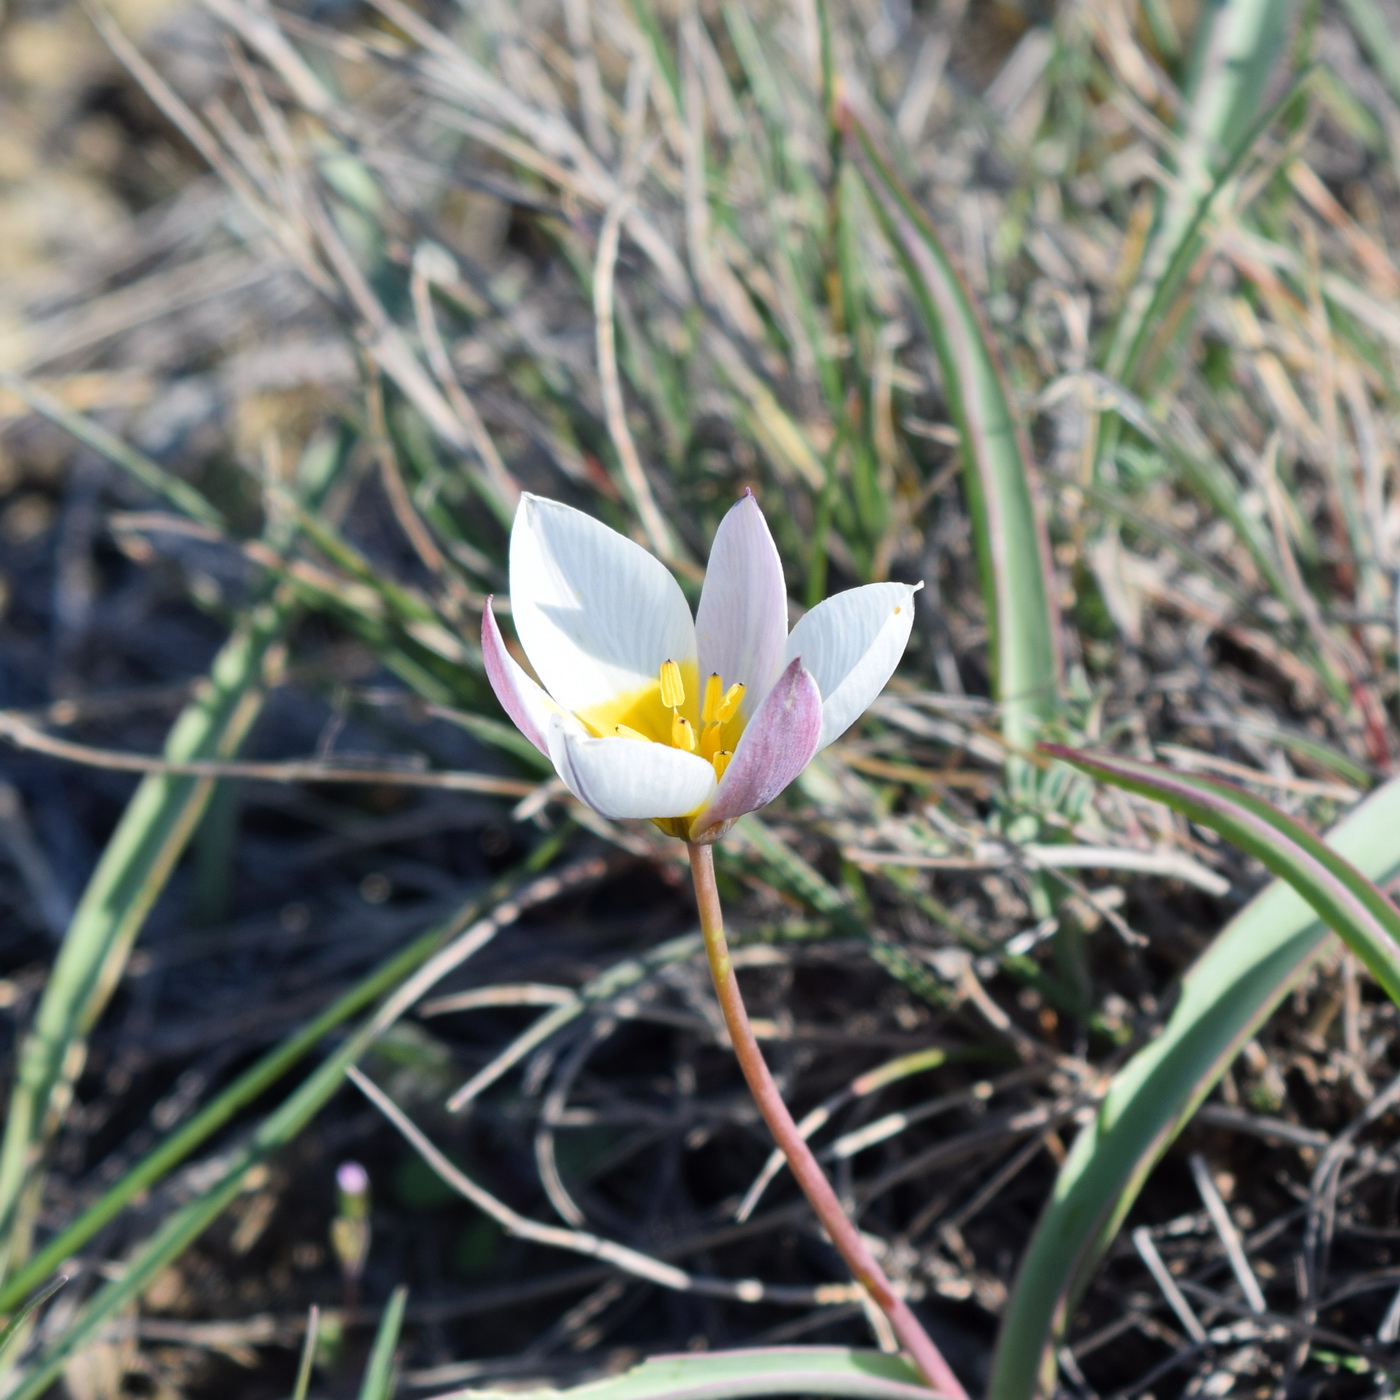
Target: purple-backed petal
778, 744
525, 702
741, 624
622, 778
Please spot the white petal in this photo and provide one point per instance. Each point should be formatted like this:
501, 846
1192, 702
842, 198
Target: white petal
851, 644
527, 705
623, 778
741, 624
596, 614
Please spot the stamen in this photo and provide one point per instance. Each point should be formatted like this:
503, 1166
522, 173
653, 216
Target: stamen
625, 731
714, 688
729, 706
682, 733
711, 738
672, 687
721, 762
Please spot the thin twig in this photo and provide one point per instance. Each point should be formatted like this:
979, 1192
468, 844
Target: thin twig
1176, 1299
620, 1256
18, 731
1229, 1235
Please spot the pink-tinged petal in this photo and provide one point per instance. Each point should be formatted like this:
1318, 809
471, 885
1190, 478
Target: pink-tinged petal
778, 744
527, 705
741, 624
625, 778
851, 643
596, 614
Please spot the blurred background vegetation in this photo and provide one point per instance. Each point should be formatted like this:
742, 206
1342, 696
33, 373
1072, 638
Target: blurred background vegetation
1085, 314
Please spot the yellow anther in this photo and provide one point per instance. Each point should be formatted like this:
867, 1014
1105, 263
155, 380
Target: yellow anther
672, 687
721, 762
711, 737
682, 733
729, 706
625, 731
714, 689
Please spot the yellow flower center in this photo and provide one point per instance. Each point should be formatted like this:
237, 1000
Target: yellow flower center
676, 710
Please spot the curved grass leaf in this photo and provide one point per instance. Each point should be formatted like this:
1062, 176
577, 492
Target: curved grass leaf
1012, 548
1361, 914
1225, 997
731, 1375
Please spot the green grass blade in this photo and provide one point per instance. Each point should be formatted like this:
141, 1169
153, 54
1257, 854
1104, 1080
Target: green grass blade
1373, 28
1236, 49
1012, 548
1230, 991
12, 1328
308, 1354
731, 1375
176, 1148
181, 1227
91, 434
378, 1383
133, 870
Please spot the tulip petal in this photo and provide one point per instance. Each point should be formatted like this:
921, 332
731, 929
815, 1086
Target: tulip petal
741, 624
778, 744
527, 705
851, 643
622, 778
596, 614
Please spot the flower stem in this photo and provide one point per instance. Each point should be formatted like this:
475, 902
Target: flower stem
802, 1163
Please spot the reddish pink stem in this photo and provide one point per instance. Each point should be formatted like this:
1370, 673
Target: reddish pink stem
802, 1163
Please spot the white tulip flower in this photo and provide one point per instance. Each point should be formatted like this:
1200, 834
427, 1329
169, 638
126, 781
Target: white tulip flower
648, 713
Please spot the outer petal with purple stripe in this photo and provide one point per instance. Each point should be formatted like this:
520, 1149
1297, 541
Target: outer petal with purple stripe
778, 744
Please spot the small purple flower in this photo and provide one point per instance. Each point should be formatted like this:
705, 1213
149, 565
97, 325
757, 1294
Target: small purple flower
352, 1179
646, 712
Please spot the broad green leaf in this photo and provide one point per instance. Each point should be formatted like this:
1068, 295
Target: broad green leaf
1012, 549
1225, 997
731, 1375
